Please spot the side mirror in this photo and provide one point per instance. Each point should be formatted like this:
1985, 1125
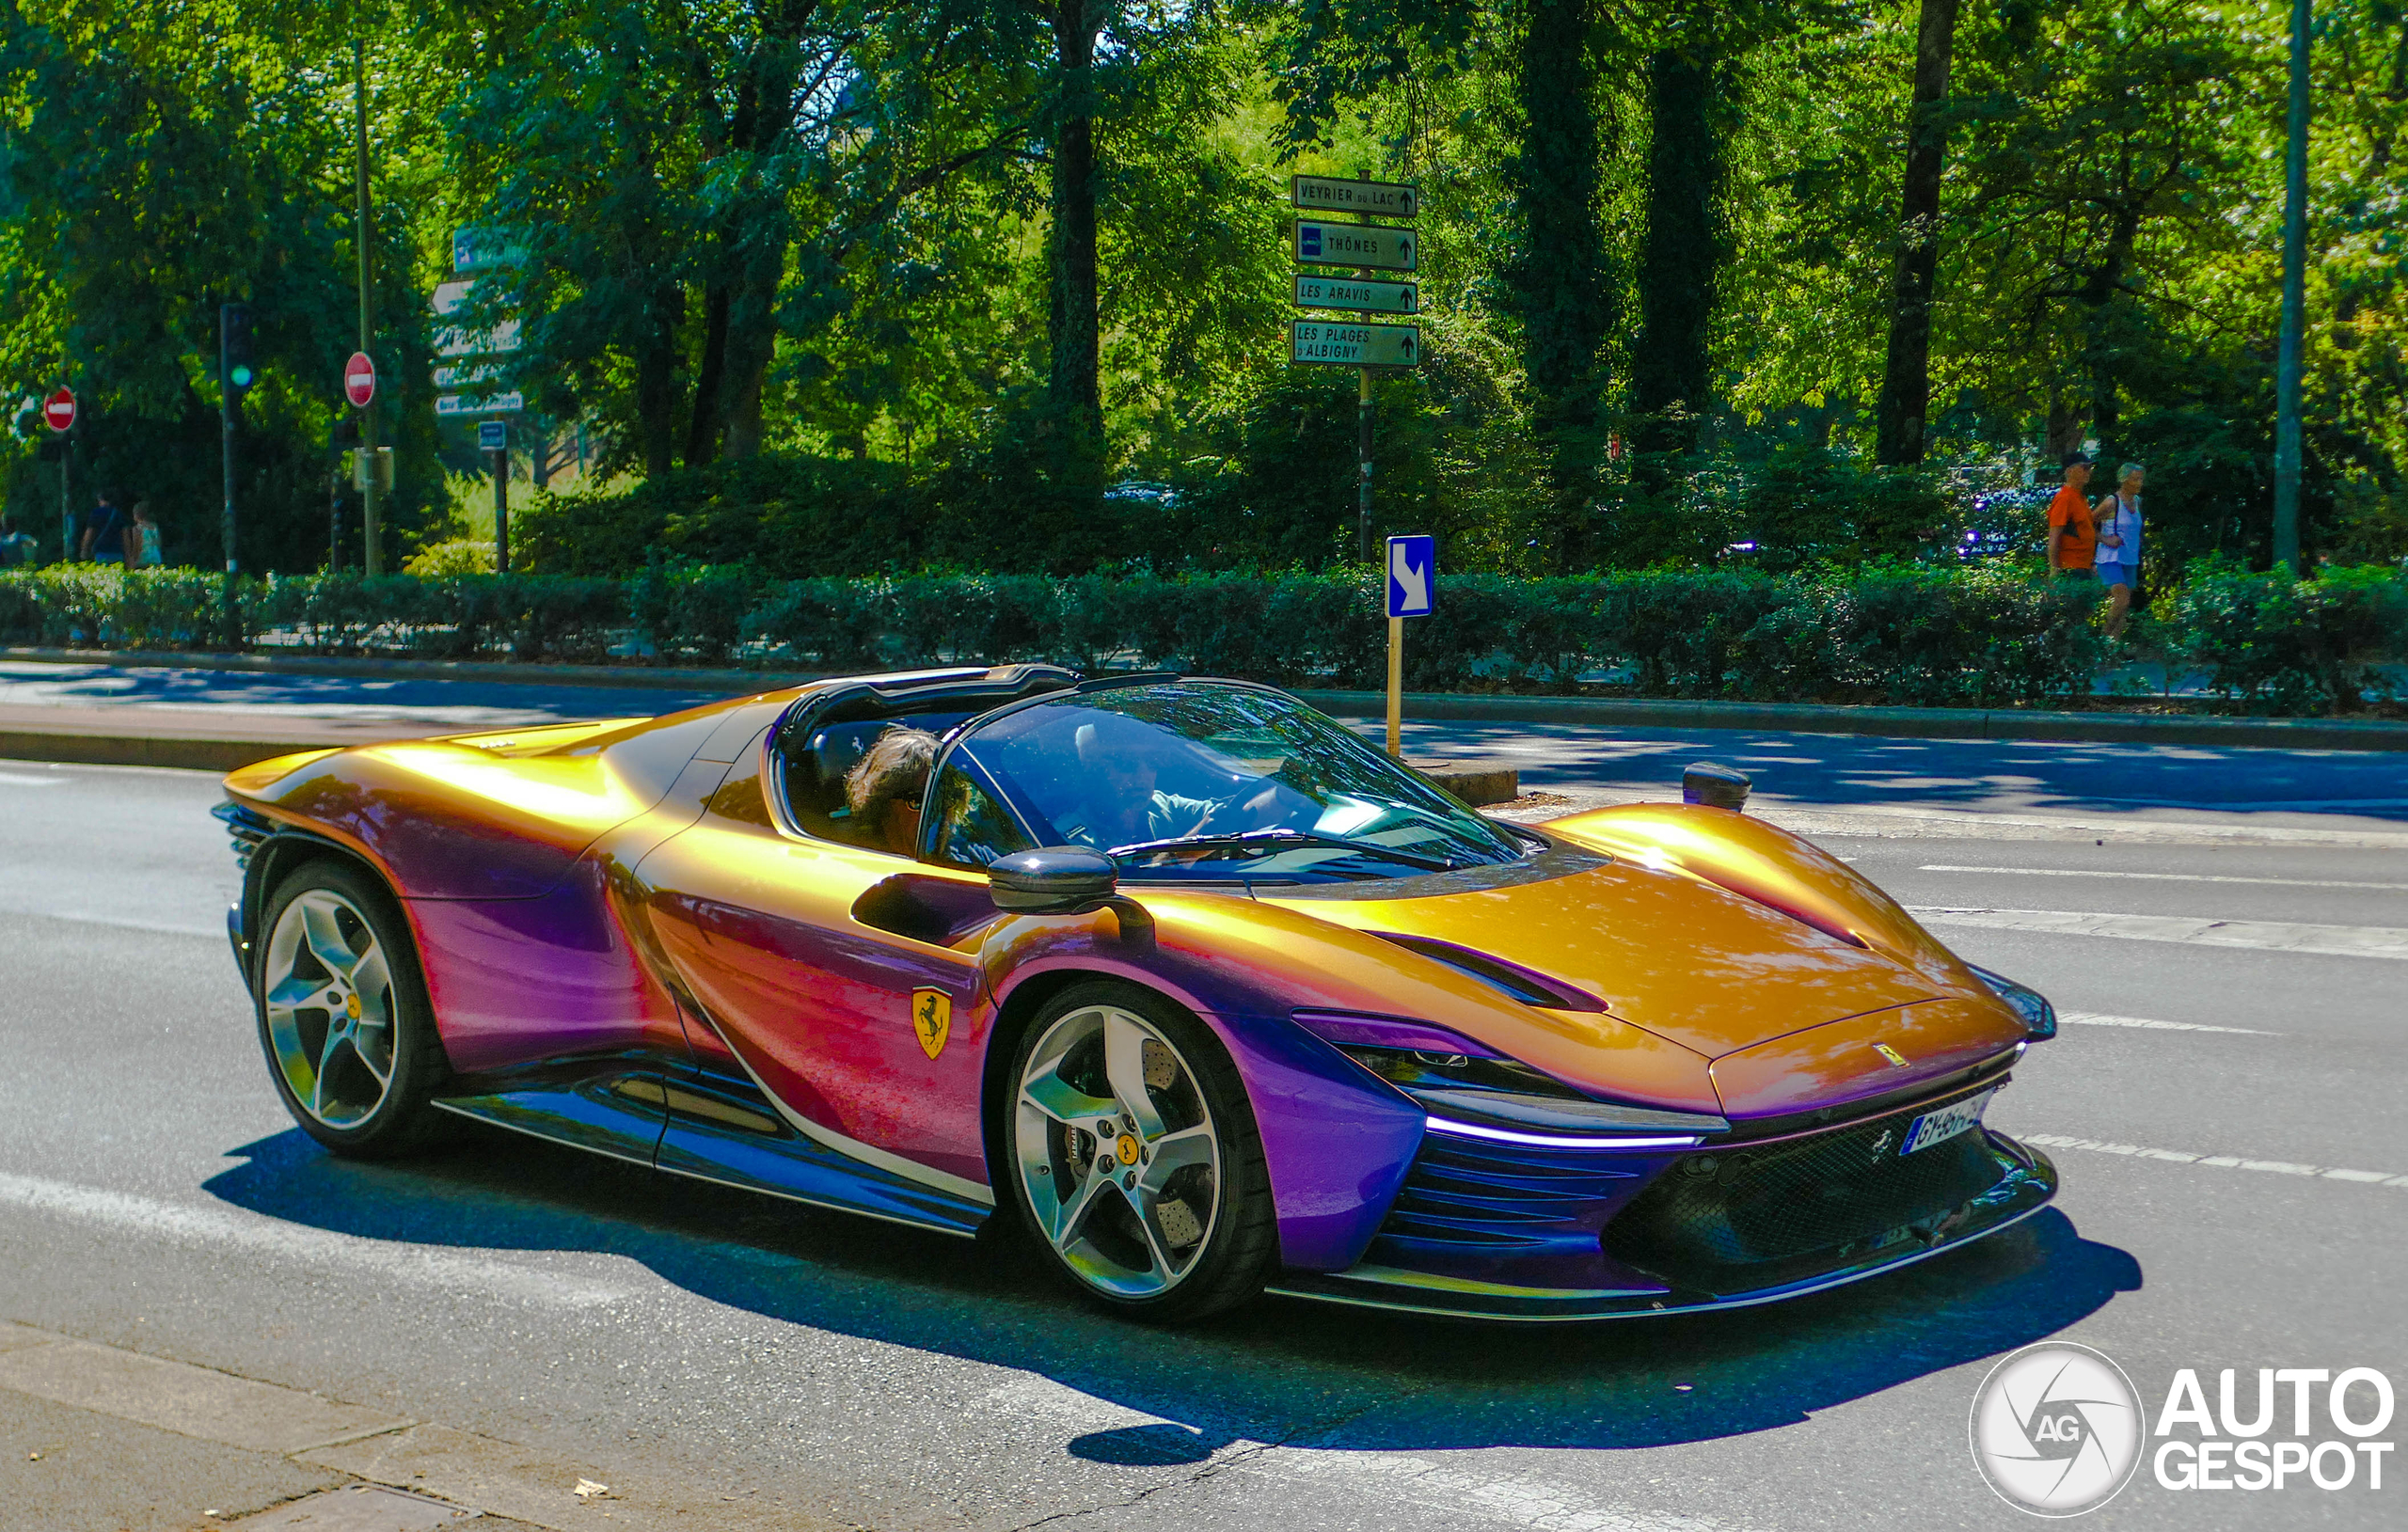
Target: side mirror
1052, 881
1714, 786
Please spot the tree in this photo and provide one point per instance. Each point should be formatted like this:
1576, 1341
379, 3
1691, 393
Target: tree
1691, 108
1906, 379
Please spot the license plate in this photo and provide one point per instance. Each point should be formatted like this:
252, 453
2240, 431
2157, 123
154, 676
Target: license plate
1937, 1126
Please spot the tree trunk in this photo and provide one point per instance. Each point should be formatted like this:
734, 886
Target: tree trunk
656, 381
1906, 378
1561, 280
702, 427
1071, 323
1684, 245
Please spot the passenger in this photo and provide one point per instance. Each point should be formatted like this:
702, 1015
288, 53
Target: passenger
886, 786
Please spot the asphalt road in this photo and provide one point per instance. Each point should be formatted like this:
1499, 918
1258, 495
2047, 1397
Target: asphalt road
155, 1197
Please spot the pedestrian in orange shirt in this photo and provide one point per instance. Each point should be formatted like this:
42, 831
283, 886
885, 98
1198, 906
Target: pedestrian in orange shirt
2073, 535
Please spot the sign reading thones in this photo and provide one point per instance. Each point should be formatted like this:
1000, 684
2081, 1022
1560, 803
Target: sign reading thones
485, 249
1354, 345
1314, 291
1358, 244
1413, 568
359, 380
58, 410
1374, 198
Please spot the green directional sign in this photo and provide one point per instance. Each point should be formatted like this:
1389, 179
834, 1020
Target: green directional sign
1358, 244
1316, 291
1374, 198
1344, 344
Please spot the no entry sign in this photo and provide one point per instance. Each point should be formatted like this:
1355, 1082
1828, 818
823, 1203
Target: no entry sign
359, 380
58, 410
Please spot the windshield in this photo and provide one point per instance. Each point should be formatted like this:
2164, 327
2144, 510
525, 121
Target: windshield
1187, 781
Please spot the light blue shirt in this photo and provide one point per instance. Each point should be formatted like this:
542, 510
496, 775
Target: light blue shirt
2124, 521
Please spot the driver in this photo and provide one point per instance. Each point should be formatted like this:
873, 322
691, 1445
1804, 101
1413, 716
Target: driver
1118, 758
885, 787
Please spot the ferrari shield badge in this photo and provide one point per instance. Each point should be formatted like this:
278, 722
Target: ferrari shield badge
932, 1019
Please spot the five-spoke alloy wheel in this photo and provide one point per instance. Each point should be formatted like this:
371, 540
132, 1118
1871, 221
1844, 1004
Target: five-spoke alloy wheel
343, 1014
1135, 1157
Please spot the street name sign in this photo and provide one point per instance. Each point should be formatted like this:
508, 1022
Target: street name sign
1413, 563
1354, 345
1315, 291
58, 410
485, 249
454, 379
451, 341
1358, 244
448, 405
359, 380
1375, 199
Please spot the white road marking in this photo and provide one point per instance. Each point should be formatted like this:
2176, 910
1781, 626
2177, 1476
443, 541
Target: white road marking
2168, 877
2095, 1019
2268, 936
293, 1241
12, 779
1457, 1492
2219, 1161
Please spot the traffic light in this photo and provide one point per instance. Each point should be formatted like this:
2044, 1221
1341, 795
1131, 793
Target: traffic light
235, 339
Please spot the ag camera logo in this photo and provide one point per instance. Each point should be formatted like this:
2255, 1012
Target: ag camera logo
2056, 1429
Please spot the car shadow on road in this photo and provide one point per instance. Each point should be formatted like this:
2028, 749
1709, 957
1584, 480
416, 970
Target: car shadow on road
1279, 1370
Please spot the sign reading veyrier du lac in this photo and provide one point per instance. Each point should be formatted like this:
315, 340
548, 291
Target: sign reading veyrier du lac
1369, 198
1357, 294
1358, 244
1346, 344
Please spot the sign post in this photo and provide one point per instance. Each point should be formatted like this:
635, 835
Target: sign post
493, 437
1413, 571
1366, 247
371, 532
59, 413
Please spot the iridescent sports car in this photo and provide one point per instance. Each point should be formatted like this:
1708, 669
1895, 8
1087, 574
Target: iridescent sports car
1177, 979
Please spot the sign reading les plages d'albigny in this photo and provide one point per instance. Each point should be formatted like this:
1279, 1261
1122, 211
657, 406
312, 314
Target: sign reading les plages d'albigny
1354, 345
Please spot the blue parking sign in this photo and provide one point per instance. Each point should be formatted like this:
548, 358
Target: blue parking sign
1413, 570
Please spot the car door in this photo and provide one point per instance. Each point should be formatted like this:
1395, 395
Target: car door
830, 975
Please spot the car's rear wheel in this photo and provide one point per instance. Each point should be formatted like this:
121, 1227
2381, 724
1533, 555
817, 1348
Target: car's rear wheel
1135, 1161
343, 1016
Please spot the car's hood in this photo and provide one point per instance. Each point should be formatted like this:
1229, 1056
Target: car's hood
1689, 961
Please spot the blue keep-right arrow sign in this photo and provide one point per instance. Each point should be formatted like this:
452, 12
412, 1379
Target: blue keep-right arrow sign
1413, 572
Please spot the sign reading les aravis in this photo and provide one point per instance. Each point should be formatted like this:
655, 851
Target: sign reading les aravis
1314, 291
1374, 198
1354, 345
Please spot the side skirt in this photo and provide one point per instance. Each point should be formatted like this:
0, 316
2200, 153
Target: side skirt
651, 1112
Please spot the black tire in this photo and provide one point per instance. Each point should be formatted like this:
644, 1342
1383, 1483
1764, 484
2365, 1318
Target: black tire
1241, 1249
401, 1119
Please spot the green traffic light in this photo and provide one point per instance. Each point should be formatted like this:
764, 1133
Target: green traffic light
242, 377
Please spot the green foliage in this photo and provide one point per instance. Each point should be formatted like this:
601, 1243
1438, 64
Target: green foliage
2281, 645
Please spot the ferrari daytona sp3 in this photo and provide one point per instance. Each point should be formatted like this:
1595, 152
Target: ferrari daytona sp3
1176, 979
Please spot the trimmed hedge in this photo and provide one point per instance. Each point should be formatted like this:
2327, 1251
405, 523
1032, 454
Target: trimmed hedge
1977, 636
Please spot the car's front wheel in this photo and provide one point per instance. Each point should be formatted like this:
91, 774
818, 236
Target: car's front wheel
1136, 1163
343, 1016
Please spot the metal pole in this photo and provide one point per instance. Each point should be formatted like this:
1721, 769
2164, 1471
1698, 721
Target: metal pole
372, 556
2287, 370
66, 505
502, 511
334, 517
1363, 460
225, 524
1396, 687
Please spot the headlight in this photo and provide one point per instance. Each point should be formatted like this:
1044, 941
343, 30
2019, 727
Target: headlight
2039, 1017
1472, 1091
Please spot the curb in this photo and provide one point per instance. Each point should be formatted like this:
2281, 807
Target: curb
177, 752
1605, 712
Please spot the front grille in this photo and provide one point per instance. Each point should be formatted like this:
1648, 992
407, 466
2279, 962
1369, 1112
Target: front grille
1508, 1200
1746, 1218
245, 827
